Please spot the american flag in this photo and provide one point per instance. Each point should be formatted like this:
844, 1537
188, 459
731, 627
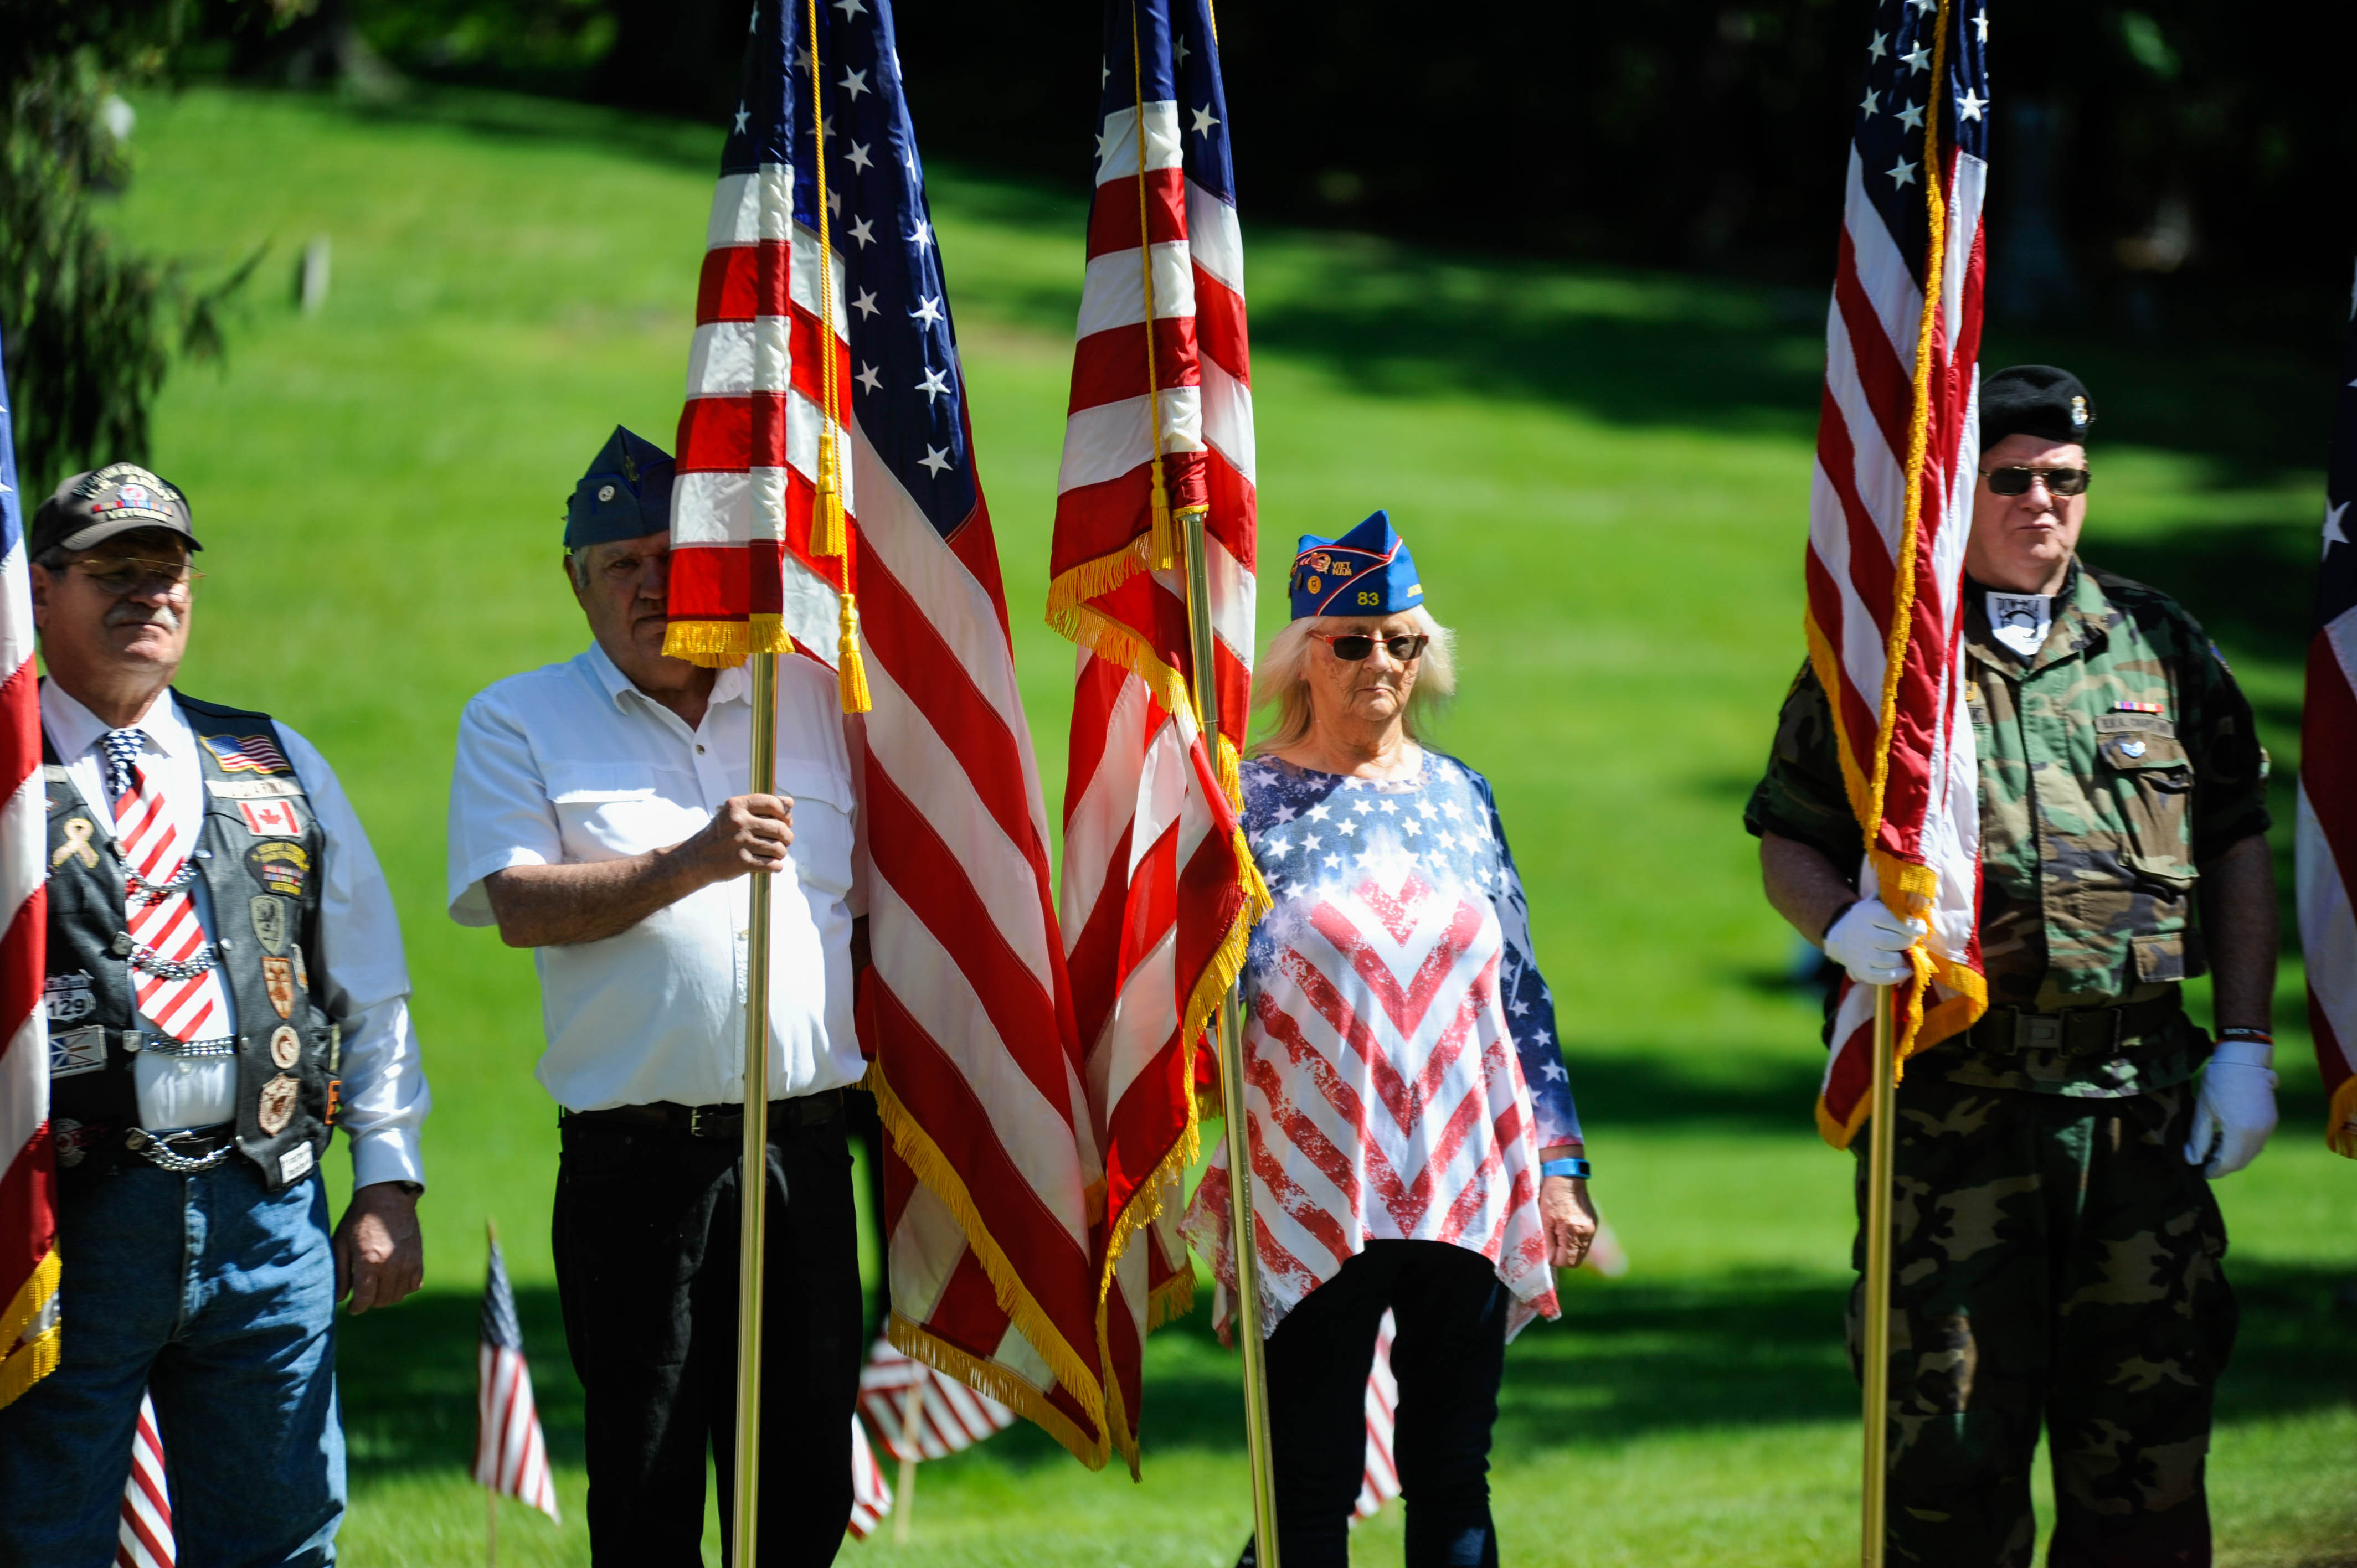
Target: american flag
1896, 446
248, 754
976, 1069
28, 1212
946, 1417
2328, 781
1382, 1483
144, 1538
1159, 888
871, 1494
511, 1455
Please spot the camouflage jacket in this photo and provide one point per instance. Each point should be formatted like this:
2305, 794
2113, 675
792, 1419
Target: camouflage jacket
2112, 766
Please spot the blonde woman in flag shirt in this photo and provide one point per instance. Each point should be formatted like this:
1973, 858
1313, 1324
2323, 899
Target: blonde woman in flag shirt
1415, 1145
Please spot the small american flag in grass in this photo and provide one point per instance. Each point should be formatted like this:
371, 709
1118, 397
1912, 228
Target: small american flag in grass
510, 1456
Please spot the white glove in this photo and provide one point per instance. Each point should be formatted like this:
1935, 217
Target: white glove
1871, 942
2236, 1109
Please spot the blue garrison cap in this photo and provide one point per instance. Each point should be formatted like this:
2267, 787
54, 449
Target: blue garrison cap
626, 493
1367, 572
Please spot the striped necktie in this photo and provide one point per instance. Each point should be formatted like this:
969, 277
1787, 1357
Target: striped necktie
178, 989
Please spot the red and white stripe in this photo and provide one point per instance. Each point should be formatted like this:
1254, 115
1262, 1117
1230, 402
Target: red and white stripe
1382, 1483
749, 432
155, 848
871, 1494
28, 1226
144, 1538
920, 1413
511, 1455
2327, 857
1386, 1100
1158, 883
1857, 527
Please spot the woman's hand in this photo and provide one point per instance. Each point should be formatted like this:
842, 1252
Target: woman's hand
1569, 1219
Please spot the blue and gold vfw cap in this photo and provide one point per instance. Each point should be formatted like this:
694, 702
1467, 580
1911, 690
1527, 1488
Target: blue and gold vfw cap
626, 493
1367, 572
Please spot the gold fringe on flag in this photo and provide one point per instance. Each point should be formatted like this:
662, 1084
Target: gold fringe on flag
725, 644
850, 672
931, 1167
30, 1363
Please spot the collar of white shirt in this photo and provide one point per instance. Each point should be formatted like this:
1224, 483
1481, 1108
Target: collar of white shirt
76, 732
728, 685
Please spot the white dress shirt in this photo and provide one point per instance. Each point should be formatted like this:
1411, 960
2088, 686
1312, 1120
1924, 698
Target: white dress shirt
363, 975
572, 764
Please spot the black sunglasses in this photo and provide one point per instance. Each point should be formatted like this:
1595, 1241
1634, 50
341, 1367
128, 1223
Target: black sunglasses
2016, 481
1351, 647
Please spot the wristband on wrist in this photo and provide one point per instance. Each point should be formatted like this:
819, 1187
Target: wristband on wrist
1835, 921
1576, 1169
2259, 1034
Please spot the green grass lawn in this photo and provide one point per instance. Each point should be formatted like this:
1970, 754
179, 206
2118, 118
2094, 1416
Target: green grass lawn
1605, 477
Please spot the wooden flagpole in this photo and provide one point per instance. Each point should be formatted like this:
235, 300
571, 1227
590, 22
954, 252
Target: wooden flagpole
905, 1504
1881, 1152
1244, 1310
753, 1169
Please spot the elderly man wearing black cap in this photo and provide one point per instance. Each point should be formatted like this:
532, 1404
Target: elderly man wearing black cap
225, 985
599, 815
2059, 1251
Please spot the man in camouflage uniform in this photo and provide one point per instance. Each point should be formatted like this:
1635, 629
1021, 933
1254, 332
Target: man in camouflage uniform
2057, 1249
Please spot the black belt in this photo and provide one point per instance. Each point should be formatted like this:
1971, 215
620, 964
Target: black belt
713, 1122
2078, 1031
197, 1149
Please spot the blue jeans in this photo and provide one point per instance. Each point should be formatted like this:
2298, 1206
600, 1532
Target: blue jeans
218, 1297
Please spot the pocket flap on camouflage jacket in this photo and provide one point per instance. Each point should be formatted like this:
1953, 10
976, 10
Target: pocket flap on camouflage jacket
2143, 751
2167, 957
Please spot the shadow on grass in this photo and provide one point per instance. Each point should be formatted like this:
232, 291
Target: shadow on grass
1628, 1361
1393, 318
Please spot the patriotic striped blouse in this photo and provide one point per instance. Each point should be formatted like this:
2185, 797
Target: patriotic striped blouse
1400, 1042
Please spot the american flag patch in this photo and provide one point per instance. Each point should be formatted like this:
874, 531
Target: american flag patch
2135, 707
247, 753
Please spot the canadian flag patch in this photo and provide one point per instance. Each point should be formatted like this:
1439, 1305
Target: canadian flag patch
270, 818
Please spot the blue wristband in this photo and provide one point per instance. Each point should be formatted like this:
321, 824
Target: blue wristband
1576, 1169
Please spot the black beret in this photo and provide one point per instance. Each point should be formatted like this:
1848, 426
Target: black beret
2035, 399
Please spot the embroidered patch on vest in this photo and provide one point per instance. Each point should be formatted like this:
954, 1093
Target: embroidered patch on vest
247, 753
285, 1046
70, 997
276, 1107
253, 788
270, 819
77, 1050
279, 867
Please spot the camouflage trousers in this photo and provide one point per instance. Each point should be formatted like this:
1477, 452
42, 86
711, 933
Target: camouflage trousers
2057, 1267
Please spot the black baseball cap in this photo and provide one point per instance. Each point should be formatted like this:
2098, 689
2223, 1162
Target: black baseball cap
118, 499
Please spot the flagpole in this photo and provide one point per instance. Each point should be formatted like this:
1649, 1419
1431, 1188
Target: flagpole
905, 1504
1881, 1157
753, 1171
491, 1493
1244, 1309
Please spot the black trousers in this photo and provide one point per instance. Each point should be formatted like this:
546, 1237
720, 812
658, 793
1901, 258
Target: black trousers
646, 1239
1449, 1353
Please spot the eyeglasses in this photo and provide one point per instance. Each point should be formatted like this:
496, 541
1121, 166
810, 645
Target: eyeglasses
121, 575
1351, 647
2016, 481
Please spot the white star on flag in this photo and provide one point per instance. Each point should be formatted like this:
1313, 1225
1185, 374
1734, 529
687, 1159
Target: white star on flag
2334, 533
863, 230
935, 459
1870, 104
864, 302
869, 378
858, 158
929, 309
923, 236
1918, 58
854, 83
1971, 104
933, 385
1903, 173
1911, 116
1204, 121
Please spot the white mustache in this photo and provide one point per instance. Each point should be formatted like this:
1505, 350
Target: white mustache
161, 616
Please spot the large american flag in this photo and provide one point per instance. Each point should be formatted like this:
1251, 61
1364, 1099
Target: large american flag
2328, 778
1159, 888
1897, 446
511, 1454
28, 1216
966, 1010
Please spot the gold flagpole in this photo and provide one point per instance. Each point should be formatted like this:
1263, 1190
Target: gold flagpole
905, 1505
1881, 1153
753, 1170
1245, 1308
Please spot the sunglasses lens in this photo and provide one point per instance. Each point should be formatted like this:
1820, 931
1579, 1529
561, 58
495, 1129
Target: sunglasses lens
2009, 481
2067, 481
1350, 649
1404, 647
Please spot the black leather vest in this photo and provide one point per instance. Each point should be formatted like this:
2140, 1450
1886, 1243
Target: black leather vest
258, 854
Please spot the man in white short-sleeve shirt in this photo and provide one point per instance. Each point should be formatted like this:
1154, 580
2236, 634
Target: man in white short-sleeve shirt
599, 815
